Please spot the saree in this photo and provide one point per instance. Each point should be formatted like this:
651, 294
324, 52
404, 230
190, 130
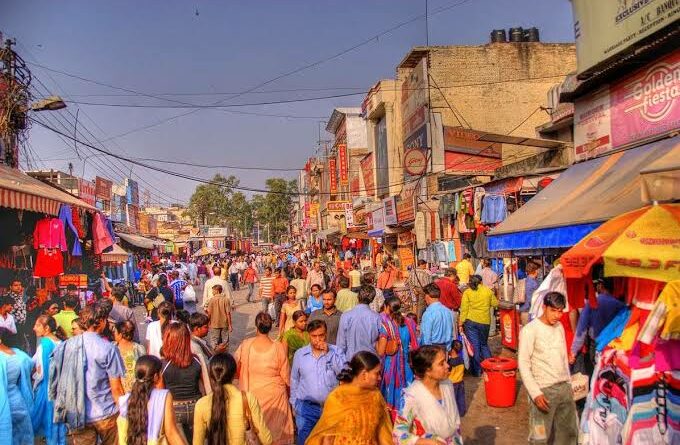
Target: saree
353, 415
397, 373
295, 340
43, 409
16, 398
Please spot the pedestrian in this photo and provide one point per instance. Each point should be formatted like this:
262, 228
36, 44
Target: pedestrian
316, 276
360, 327
530, 285
329, 314
297, 336
146, 414
155, 329
355, 411
233, 275
465, 270
301, 286
354, 276
223, 416
347, 298
129, 350
449, 294
388, 276
313, 376
219, 311
216, 279
457, 365
397, 339
264, 371
77, 327
279, 287
66, 316
417, 280
49, 335
436, 327
475, 320
266, 289
16, 395
291, 305
181, 374
87, 364
202, 273
429, 402
199, 325
377, 304
314, 301
189, 297
544, 368
120, 312
250, 278
50, 308
6, 318
177, 286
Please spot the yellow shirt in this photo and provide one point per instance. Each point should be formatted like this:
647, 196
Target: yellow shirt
236, 421
476, 304
464, 269
346, 300
354, 278
456, 374
65, 319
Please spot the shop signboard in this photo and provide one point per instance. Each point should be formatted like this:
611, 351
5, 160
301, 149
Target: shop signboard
337, 206
333, 175
132, 191
103, 188
355, 184
381, 157
415, 153
414, 99
592, 125
464, 152
367, 172
78, 280
605, 28
342, 164
349, 216
313, 209
405, 204
86, 191
390, 209
133, 216
378, 219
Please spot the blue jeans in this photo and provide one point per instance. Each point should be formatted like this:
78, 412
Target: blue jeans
307, 414
478, 335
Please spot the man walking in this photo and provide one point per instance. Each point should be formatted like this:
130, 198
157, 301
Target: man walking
266, 290
418, 279
360, 327
329, 314
177, 285
215, 280
250, 278
219, 311
312, 377
120, 312
347, 299
279, 286
465, 270
544, 368
233, 275
315, 276
436, 327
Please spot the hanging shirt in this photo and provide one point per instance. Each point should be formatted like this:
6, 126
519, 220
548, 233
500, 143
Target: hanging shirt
494, 209
49, 234
593, 321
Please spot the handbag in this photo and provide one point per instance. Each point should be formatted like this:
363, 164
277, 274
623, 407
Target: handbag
252, 437
579, 386
392, 345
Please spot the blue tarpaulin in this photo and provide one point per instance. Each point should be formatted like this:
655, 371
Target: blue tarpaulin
542, 238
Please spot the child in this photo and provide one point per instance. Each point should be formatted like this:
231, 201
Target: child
456, 375
219, 311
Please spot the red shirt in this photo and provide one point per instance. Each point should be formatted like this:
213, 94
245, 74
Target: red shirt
449, 294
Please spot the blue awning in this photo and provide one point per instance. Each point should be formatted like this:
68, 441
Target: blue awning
582, 198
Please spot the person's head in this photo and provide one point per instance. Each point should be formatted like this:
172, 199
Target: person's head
457, 346
72, 290
125, 330
51, 308
300, 320
451, 274
366, 294
343, 282
432, 293
70, 302
217, 270
328, 297
118, 292
298, 272
177, 345
6, 304
5, 335
147, 376
291, 293
422, 264
475, 281
604, 285
16, 286
393, 309
317, 330
221, 369
217, 290
486, 262
263, 323
363, 370
183, 316
317, 266
77, 327
356, 267
553, 307
199, 324
166, 312
278, 272
46, 325
466, 256
532, 269
268, 271
93, 317
315, 290
368, 278
429, 361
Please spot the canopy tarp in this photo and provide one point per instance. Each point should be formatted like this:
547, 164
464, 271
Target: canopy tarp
584, 196
117, 255
138, 241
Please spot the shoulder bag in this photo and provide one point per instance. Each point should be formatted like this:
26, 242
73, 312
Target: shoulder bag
252, 437
392, 345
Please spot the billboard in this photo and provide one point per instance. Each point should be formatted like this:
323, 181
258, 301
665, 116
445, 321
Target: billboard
605, 28
381, 157
103, 188
592, 125
367, 172
390, 210
86, 191
132, 191
414, 99
464, 152
333, 176
342, 164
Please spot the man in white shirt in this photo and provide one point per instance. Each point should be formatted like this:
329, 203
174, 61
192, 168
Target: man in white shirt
233, 275
544, 367
6, 318
216, 279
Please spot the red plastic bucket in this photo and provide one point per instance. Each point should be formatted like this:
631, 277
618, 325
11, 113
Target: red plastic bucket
500, 376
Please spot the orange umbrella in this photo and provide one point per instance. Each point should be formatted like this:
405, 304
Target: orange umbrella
643, 243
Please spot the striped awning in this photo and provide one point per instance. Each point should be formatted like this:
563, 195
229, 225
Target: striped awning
117, 255
22, 192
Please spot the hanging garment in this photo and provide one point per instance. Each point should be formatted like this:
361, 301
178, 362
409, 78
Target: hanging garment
554, 282
447, 205
664, 319
66, 217
494, 209
477, 200
78, 222
101, 238
49, 234
48, 263
450, 251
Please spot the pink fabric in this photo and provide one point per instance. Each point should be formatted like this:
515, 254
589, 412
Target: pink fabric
49, 234
102, 239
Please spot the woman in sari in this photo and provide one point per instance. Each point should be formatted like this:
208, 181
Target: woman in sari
129, 350
429, 413
297, 336
49, 335
397, 339
264, 372
355, 411
16, 399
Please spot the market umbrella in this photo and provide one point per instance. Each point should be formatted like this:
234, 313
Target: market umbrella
203, 251
644, 243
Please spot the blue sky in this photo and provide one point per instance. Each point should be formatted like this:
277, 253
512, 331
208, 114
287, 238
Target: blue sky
159, 47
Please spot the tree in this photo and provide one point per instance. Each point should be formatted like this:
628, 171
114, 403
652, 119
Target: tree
210, 203
240, 217
274, 208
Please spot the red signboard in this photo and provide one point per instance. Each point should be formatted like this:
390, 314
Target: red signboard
342, 164
464, 152
367, 171
103, 188
333, 175
86, 191
337, 206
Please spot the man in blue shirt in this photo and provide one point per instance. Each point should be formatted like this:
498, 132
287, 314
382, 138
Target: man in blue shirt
359, 327
436, 327
313, 376
593, 320
530, 285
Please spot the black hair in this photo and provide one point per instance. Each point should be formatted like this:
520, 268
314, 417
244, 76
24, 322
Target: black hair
328, 290
422, 358
368, 278
118, 292
52, 325
5, 334
146, 368
362, 361
71, 302
126, 329
162, 281
451, 272
167, 311
457, 345
422, 263
71, 287
466, 256
317, 286
289, 288
394, 303
298, 272
316, 324
343, 282
366, 294
263, 323
198, 320
183, 316
6, 299
221, 369
555, 300
298, 314
475, 281
92, 315
432, 290
106, 306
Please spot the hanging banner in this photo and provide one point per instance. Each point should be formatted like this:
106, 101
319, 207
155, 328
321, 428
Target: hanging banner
342, 164
86, 191
313, 209
333, 176
390, 209
337, 206
103, 188
367, 171
592, 125
349, 216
